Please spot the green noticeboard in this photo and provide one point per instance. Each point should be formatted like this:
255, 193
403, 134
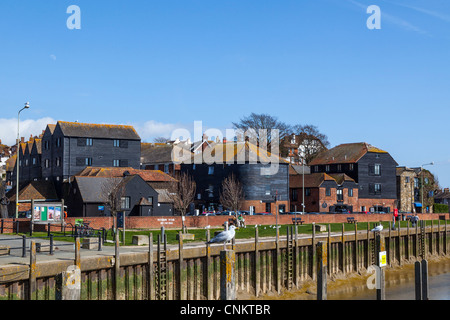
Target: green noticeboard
43, 213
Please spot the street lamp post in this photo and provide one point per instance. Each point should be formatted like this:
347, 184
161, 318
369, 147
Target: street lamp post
421, 186
27, 105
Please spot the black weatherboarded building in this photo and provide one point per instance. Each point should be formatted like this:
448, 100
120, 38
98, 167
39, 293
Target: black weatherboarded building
69, 147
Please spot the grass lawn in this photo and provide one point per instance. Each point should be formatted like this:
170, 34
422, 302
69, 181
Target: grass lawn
242, 233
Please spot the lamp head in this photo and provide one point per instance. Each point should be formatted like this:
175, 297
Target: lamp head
27, 105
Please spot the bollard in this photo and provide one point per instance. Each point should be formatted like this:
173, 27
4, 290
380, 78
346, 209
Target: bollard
51, 244
48, 229
100, 237
227, 275
24, 246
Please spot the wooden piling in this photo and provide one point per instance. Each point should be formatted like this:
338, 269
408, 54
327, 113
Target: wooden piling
322, 257
227, 275
32, 275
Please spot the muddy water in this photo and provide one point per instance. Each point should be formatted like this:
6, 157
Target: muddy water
399, 285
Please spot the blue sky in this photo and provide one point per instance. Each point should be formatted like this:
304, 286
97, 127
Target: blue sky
160, 65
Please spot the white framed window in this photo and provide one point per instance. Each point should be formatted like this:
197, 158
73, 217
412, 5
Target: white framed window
116, 163
210, 170
116, 143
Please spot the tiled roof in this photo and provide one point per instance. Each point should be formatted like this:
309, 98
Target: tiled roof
344, 153
313, 180
232, 152
107, 131
37, 190
110, 172
11, 163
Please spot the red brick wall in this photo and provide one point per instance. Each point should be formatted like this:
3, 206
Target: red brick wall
216, 221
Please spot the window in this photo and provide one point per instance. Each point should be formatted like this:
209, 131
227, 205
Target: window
307, 192
166, 168
267, 190
88, 161
89, 142
34, 161
327, 168
46, 145
193, 166
374, 169
339, 167
328, 191
351, 167
350, 192
58, 162
375, 188
116, 143
210, 170
339, 195
294, 194
211, 191
150, 200
416, 182
58, 142
26, 162
125, 202
426, 180
116, 163
363, 209
406, 179
47, 163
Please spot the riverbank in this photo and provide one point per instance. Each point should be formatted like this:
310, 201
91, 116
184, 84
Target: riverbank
399, 284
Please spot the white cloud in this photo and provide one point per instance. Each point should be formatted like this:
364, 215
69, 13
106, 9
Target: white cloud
8, 128
152, 129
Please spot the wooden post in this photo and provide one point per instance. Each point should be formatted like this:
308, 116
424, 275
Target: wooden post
343, 255
424, 264
381, 247
32, 276
356, 247
368, 258
322, 255
68, 284
257, 263
277, 264
227, 275
183, 268
116, 267
209, 270
329, 250
418, 279
297, 259
77, 252
150, 270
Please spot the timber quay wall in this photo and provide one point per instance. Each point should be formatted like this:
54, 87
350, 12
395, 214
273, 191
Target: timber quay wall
262, 265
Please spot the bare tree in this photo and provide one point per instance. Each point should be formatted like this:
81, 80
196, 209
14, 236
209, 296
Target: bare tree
312, 140
256, 122
232, 193
161, 140
112, 192
182, 194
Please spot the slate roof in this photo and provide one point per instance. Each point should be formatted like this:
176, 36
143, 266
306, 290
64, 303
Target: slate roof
345, 153
106, 131
91, 188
